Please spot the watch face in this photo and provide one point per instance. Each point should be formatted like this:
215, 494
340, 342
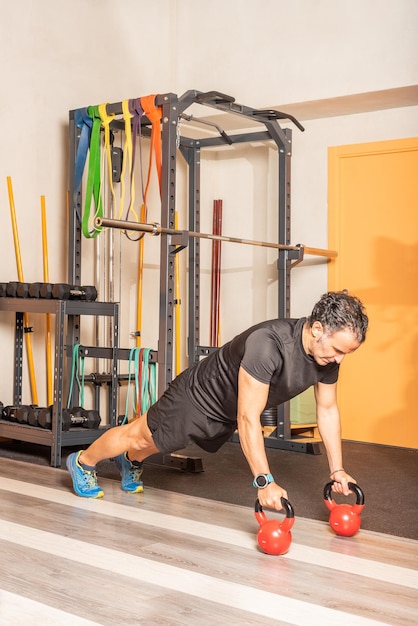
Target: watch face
261, 481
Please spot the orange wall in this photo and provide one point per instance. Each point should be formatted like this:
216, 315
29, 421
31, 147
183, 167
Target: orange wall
373, 223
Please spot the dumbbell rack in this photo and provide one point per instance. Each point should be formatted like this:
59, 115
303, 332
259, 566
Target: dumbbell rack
67, 323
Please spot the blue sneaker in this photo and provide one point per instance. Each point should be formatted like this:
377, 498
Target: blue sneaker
84, 481
131, 474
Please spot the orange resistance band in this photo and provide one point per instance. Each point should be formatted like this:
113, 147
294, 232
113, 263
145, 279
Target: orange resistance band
154, 115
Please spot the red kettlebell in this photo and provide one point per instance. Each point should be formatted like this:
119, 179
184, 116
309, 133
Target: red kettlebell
344, 519
274, 536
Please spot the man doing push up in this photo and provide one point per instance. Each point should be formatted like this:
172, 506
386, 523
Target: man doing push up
262, 367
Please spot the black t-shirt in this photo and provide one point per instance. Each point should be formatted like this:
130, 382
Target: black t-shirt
271, 352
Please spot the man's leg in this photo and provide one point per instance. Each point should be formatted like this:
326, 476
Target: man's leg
134, 437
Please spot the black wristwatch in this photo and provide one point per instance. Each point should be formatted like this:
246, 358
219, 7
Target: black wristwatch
262, 480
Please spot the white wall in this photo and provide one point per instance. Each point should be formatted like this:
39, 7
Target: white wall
279, 51
58, 56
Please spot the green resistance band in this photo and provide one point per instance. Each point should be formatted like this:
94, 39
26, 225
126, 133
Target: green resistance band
93, 185
77, 364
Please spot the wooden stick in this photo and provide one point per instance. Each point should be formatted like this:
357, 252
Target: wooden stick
48, 346
28, 338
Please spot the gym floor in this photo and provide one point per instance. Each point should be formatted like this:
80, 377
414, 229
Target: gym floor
165, 558
386, 474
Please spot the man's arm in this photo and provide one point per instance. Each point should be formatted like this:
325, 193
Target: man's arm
252, 398
329, 425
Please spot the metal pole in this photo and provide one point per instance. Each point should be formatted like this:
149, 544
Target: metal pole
156, 229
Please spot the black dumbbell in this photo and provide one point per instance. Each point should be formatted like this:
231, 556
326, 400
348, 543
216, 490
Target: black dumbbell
22, 290
33, 416
34, 290
44, 417
77, 416
11, 289
3, 290
63, 291
22, 413
16, 289
9, 413
45, 290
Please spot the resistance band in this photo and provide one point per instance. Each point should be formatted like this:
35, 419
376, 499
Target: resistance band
26, 326
77, 364
127, 159
125, 417
137, 111
93, 186
106, 120
133, 109
145, 377
154, 115
83, 121
148, 381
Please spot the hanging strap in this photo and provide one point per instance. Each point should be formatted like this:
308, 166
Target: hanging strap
137, 112
144, 393
127, 158
148, 386
76, 365
93, 186
154, 114
83, 121
106, 120
133, 358
139, 384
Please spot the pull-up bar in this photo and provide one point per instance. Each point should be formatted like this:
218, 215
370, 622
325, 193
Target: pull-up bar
156, 229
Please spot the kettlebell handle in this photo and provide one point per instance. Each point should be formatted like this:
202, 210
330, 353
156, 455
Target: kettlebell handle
353, 487
286, 505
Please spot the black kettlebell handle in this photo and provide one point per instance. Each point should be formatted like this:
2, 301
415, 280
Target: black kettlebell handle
353, 487
286, 505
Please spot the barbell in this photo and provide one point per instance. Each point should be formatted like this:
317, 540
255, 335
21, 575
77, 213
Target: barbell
155, 229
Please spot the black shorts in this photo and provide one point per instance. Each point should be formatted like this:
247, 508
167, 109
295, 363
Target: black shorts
176, 423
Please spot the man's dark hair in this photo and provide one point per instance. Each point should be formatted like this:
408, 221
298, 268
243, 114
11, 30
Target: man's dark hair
337, 310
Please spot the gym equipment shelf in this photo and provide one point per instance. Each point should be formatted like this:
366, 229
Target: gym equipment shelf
67, 328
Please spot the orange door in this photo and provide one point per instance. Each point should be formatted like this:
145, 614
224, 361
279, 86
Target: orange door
373, 223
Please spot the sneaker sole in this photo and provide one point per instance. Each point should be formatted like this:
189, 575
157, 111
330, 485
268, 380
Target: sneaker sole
138, 489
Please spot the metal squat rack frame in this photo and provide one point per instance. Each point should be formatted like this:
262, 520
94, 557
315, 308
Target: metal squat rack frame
173, 109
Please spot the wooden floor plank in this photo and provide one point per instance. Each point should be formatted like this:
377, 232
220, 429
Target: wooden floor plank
164, 558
